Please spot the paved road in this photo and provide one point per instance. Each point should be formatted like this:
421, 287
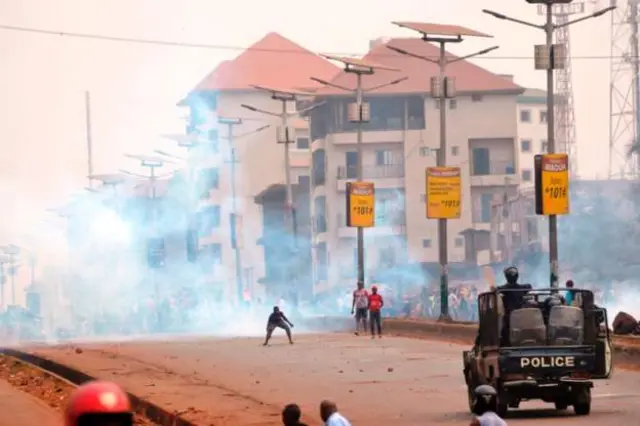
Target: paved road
399, 381
19, 409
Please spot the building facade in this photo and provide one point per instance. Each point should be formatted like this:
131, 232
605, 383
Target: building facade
532, 131
400, 141
249, 157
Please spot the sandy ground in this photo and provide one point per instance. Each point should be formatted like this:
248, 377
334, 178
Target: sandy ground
19, 409
399, 381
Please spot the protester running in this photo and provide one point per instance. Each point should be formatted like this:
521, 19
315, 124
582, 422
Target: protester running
375, 317
359, 305
277, 319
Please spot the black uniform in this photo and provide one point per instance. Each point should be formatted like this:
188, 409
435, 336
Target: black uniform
277, 319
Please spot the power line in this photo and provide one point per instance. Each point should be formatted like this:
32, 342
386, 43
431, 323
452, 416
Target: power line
190, 45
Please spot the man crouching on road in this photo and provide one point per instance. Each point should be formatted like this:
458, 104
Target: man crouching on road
360, 306
277, 319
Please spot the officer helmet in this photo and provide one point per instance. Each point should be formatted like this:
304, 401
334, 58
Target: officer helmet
487, 397
511, 274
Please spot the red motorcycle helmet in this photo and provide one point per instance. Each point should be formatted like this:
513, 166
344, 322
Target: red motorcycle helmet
99, 403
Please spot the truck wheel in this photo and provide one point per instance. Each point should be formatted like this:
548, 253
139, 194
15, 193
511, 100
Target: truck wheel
582, 403
582, 409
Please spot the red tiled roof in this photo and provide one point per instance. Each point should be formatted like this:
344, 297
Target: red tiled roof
468, 77
273, 61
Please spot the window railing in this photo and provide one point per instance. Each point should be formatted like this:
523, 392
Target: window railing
493, 168
372, 172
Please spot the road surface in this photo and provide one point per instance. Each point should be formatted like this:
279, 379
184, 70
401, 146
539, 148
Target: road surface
399, 381
20, 409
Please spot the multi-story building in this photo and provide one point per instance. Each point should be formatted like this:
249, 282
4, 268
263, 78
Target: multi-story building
273, 62
532, 131
400, 141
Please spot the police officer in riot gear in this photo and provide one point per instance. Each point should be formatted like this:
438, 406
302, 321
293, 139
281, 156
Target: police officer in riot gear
512, 299
486, 406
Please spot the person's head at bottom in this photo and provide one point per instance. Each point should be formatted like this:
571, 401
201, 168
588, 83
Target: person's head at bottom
99, 403
327, 408
486, 399
291, 415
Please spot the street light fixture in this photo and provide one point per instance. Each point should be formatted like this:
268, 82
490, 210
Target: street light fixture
550, 57
285, 136
359, 112
443, 88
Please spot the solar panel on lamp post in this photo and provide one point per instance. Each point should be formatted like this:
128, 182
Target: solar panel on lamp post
443, 88
549, 57
359, 112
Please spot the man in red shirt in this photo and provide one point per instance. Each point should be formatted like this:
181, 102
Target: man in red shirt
375, 306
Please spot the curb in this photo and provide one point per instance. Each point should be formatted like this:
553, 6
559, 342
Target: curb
143, 407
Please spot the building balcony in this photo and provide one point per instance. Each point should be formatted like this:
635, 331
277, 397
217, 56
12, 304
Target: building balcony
384, 176
348, 137
498, 173
382, 229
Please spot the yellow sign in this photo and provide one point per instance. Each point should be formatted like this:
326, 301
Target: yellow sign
360, 204
552, 184
444, 192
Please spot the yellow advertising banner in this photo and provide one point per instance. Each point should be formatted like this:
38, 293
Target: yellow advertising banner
360, 204
552, 182
444, 192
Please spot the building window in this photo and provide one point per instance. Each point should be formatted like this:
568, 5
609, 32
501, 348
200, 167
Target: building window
207, 180
544, 146
426, 243
526, 175
543, 117
384, 157
459, 242
525, 145
305, 182
425, 151
455, 151
208, 220
476, 98
318, 165
387, 257
525, 116
453, 104
302, 143
415, 113
485, 207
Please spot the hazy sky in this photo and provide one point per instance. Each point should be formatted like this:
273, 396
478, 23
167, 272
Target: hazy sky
135, 87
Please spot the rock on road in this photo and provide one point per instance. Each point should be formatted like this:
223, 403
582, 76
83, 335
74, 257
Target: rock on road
399, 381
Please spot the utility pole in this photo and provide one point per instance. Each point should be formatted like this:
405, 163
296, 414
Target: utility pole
550, 57
152, 163
286, 137
234, 218
359, 112
443, 88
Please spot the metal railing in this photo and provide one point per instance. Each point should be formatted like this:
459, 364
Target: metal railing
494, 168
372, 172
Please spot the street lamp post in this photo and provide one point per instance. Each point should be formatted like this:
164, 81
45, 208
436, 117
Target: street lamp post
550, 57
12, 251
443, 88
231, 123
152, 163
360, 113
286, 136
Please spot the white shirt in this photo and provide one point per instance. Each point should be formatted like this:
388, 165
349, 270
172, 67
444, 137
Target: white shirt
491, 419
337, 419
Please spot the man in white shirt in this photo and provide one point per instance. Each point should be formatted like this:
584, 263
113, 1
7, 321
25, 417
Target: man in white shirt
330, 416
359, 306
